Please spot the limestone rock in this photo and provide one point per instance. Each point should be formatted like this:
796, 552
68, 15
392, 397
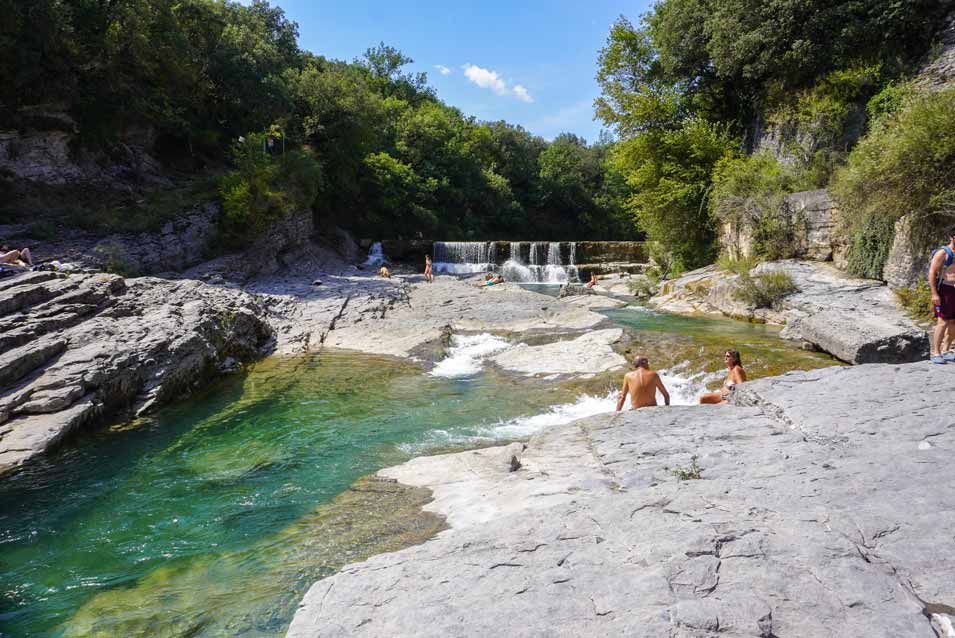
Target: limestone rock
939, 72
856, 320
817, 515
572, 290
76, 348
589, 353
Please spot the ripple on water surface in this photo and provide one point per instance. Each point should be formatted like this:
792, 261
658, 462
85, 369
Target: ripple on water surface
213, 518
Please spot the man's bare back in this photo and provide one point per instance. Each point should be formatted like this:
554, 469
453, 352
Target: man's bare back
642, 385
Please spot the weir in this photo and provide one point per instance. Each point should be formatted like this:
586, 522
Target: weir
519, 261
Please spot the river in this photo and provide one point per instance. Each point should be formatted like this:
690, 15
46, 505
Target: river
212, 518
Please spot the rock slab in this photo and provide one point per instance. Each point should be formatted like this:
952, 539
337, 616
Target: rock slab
824, 509
856, 320
75, 349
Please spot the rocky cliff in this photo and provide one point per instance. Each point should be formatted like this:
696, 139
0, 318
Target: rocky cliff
76, 349
818, 507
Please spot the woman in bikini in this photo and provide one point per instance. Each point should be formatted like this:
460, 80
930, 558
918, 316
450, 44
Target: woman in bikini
428, 274
736, 375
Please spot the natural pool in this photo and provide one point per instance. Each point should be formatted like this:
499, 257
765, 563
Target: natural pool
214, 517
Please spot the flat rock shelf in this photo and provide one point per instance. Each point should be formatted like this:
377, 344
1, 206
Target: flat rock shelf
824, 507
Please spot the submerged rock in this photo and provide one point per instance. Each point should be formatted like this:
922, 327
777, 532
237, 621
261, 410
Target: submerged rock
816, 514
77, 348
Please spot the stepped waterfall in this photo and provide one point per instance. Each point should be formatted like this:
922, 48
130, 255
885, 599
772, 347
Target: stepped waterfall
523, 262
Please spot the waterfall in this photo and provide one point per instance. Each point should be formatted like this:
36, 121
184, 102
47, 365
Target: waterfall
464, 257
545, 265
376, 257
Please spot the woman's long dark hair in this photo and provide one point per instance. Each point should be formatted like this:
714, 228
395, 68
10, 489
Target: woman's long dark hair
735, 355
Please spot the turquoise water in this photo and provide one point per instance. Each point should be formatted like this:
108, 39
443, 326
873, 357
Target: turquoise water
203, 522
214, 517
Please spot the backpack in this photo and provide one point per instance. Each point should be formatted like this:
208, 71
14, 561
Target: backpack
949, 258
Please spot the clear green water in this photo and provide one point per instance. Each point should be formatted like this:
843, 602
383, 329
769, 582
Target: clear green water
203, 522
213, 518
693, 346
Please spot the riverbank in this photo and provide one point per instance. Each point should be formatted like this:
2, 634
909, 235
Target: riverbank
855, 320
811, 516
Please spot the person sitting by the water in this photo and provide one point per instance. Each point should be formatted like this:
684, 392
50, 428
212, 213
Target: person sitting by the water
593, 280
384, 272
736, 375
20, 257
642, 385
428, 274
490, 279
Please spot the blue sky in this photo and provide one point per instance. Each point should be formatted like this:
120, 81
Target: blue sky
530, 63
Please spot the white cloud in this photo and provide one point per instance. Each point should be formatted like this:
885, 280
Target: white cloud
521, 94
488, 79
443, 70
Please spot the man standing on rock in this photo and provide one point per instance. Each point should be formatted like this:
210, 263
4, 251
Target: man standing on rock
642, 385
941, 280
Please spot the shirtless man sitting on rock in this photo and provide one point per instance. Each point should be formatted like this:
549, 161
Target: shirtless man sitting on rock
642, 385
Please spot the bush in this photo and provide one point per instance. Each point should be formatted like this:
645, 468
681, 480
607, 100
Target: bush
764, 290
917, 301
748, 193
643, 286
738, 265
264, 188
903, 166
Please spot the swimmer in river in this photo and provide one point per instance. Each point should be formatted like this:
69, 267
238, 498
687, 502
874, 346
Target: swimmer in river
642, 385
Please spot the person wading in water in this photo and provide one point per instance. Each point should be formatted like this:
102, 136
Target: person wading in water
642, 385
736, 375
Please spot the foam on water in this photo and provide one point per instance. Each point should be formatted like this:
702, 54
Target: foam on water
516, 428
466, 355
684, 389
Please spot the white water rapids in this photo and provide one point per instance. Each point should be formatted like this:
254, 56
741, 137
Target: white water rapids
466, 358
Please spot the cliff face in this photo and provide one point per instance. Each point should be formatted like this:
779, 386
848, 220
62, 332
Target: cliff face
74, 349
821, 509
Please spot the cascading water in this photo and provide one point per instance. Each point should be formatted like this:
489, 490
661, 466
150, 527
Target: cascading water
464, 257
376, 257
545, 265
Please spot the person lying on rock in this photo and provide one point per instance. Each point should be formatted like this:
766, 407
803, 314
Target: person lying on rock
941, 281
16, 257
642, 385
736, 375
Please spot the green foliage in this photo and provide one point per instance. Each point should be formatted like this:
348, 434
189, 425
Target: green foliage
692, 472
738, 265
115, 259
764, 290
644, 286
917, 301
903, 166
748, 194
669, 172
825, 119
265, 188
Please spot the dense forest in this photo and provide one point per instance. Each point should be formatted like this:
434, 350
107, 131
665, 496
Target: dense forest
364, 143
691, 91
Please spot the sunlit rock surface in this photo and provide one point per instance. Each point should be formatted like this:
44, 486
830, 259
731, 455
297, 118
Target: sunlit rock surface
823, 508
856, 320
75, 348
